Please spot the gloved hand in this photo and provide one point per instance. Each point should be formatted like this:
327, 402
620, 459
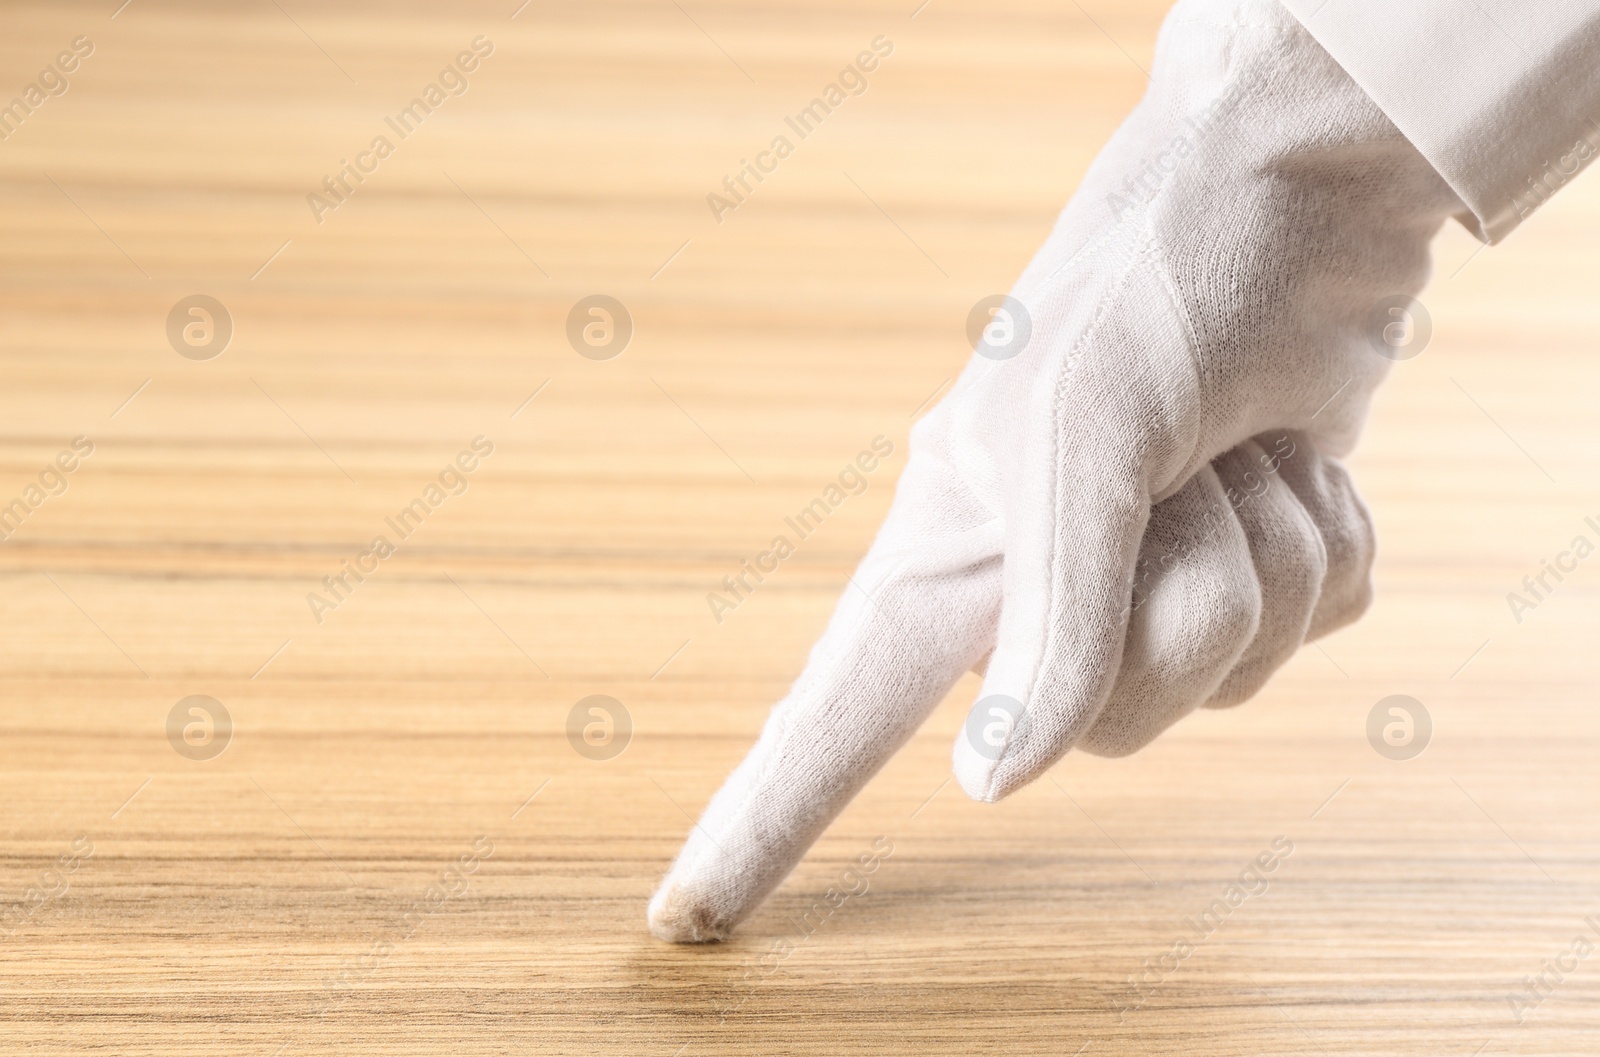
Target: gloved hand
1214, 279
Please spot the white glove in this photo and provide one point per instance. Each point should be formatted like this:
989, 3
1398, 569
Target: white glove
1215, 278
1265, 549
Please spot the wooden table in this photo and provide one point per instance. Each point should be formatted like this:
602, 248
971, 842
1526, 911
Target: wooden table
294, 894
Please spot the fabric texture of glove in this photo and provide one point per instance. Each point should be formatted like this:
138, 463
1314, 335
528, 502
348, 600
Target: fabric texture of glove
1502, 96
1064, 519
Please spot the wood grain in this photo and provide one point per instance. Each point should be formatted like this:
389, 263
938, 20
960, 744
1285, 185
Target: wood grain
292, 894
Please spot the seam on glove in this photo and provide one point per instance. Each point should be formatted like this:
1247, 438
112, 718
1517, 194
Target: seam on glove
1067, 372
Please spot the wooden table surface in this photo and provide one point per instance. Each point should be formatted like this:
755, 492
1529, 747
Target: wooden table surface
400, 851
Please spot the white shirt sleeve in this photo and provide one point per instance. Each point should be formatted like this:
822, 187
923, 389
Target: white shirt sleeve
1502, 96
